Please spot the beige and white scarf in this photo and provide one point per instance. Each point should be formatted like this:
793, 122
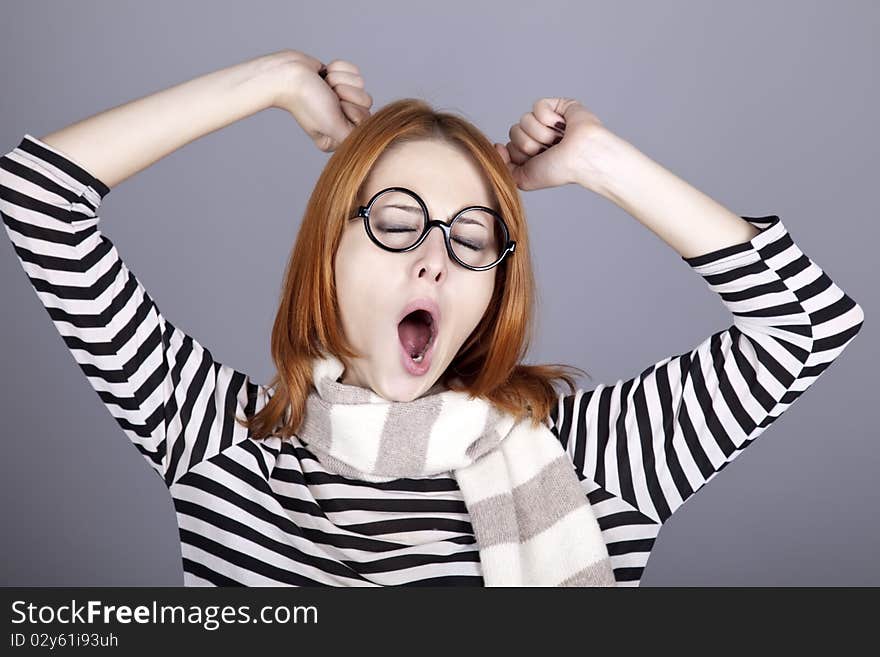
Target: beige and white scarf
532, 521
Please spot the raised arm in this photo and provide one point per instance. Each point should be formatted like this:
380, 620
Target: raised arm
117, 143
165, 390
656, 438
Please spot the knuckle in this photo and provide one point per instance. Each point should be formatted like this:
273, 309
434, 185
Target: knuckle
346, 66
284, 58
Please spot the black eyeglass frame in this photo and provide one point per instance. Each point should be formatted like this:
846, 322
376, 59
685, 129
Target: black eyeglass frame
364, 211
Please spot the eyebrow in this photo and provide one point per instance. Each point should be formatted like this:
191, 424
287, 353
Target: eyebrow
414, 209
409, 208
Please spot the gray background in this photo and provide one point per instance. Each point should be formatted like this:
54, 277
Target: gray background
768, 107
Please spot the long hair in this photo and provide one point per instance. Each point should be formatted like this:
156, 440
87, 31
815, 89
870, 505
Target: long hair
308, 323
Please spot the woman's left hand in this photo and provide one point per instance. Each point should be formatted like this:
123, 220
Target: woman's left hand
542, 154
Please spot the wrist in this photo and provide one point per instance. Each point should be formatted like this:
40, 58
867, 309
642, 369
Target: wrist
604, 158
265, 78
278, 76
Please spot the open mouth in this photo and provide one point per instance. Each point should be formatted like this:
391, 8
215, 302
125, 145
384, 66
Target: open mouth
417, 332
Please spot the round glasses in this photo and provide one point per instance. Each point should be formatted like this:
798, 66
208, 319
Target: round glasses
396, 219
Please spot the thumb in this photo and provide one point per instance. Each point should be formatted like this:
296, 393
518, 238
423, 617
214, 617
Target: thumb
523, 176
340, 122
505, 155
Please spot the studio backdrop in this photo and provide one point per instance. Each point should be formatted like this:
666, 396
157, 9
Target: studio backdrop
767, 107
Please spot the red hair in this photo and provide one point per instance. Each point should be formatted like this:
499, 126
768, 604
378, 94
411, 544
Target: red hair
308, 323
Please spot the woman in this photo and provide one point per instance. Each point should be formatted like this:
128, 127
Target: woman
402, 441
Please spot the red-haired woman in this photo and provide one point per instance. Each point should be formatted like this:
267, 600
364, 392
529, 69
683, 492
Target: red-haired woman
402, 440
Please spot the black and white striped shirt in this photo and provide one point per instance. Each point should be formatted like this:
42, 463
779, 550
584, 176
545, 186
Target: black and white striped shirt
266, 513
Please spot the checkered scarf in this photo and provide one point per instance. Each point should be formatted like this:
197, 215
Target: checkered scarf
531, 519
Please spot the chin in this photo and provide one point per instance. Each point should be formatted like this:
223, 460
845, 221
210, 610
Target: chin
403, 391
392, 382
401, 386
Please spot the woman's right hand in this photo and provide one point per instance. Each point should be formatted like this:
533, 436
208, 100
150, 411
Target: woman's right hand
327, 108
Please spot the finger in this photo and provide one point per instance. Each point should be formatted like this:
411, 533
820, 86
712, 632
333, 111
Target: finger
539, 132
349, 111
502, 150
353, 94
516, 155
523, 142
335, 77
354, 112
505, 155
343, 65
546, 110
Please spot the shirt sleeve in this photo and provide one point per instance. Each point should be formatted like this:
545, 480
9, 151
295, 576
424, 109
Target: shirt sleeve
655, 439
164, 389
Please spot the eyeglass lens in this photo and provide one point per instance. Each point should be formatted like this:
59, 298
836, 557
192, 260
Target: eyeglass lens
397, 221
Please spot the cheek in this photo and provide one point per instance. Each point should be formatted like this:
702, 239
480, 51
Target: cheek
360, 275
475, 296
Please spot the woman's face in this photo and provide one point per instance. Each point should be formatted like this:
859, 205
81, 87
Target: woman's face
374, 286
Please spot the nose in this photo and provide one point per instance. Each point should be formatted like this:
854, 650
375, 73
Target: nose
432, 258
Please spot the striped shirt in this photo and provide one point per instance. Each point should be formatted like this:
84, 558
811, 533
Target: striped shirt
267, 513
